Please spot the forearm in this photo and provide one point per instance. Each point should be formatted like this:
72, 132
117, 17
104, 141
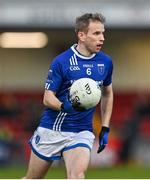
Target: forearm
51, 101
106, 107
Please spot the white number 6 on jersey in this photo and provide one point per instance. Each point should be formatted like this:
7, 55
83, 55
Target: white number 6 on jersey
88, 71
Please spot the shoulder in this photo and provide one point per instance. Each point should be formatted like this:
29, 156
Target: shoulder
63, 57
104, 56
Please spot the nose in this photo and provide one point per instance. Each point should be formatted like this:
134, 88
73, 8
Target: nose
102, 38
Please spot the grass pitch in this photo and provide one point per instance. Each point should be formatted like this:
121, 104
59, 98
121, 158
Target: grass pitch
121, 172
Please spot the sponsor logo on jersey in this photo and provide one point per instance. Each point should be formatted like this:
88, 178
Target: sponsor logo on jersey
88, 65
74, 68
100, 83
101, 68
74, 63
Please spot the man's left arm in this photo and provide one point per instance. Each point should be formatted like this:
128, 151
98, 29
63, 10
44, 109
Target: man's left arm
106, 105
106, 111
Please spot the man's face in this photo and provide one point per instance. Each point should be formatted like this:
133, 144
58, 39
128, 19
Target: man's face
93, 39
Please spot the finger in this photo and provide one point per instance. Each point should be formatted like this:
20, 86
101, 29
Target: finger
101, 148
77, 106
80, 109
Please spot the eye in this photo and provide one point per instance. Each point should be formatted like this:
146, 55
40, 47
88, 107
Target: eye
97, 33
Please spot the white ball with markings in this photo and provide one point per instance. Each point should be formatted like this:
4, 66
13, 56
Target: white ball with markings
86, 91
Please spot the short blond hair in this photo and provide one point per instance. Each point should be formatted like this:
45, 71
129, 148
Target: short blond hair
82, 22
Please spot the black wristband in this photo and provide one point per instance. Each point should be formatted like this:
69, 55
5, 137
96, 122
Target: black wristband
106, 129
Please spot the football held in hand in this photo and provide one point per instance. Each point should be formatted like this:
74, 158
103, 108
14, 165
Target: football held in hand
86, 91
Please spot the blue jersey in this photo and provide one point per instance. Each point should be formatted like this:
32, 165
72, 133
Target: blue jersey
64, 70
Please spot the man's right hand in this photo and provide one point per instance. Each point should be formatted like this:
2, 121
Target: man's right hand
77, 106
67, 106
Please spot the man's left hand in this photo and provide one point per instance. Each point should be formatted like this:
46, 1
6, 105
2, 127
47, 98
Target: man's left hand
103, 138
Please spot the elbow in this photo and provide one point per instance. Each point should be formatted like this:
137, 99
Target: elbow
45, 102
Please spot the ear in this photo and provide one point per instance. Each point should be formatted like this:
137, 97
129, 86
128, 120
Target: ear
81, 36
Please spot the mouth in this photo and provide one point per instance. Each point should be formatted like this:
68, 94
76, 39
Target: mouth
99, 46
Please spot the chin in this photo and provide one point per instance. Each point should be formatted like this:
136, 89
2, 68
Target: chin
97, 50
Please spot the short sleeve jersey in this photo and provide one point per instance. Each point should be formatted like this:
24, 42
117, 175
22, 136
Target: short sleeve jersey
64, 70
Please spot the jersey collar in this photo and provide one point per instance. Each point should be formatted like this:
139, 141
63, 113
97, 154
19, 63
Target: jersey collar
80, 55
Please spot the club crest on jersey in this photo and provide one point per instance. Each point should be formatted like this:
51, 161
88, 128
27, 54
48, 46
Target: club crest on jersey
37, 139
101, 69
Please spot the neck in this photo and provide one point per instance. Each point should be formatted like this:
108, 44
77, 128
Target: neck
82, 50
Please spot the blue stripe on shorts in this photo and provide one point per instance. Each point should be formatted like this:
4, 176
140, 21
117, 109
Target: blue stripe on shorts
77, 145
44, 157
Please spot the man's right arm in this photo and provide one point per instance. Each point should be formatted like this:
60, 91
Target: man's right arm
51, 101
